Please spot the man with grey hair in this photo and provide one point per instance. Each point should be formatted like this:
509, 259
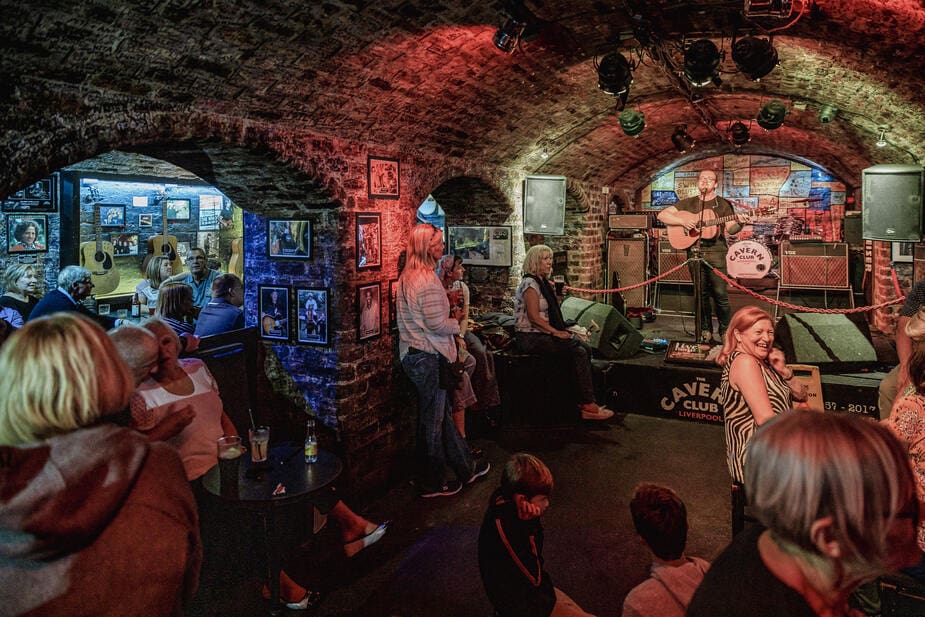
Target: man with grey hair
199, 277
74, 285
138, 347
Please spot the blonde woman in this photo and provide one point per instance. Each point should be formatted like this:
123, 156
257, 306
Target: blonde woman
78, 491
175, 306
158, 270
21, 287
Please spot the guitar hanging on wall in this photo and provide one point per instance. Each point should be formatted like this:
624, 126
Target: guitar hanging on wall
163, 244
97, 257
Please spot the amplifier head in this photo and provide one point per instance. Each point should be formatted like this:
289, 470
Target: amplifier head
628, 221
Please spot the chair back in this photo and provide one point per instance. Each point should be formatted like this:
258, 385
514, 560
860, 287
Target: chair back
232, 359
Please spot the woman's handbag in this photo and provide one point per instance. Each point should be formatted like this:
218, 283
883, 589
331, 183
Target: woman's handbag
451, 372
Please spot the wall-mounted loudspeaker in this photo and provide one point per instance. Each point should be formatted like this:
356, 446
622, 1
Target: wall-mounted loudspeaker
892, 206
544, 205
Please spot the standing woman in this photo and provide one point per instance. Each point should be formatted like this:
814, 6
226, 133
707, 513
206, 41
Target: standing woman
426, 327
158, 270
175, 306
756, 383
20, 289
540, 329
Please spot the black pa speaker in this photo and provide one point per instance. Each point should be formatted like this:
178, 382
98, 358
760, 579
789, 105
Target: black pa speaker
832, 342
892, 206
544, 205
614, 338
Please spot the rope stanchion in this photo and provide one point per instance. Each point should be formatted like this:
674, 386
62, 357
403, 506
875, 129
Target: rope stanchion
628, 287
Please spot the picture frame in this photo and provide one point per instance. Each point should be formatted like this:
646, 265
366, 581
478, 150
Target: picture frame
313, 308
393, 304
289, 239
382, 177
369, 240
210, 210
902, 252
208, 241
145, 220
369, 312
40, 196
26, 234
177, 209
112, 215
274, 312
124, 244
481, 245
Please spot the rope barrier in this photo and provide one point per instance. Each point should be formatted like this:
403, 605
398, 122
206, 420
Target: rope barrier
734, 283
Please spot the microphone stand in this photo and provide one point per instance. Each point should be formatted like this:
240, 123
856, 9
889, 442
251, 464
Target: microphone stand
697, 278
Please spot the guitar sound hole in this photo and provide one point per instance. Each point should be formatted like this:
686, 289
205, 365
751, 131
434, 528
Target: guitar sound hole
99, 257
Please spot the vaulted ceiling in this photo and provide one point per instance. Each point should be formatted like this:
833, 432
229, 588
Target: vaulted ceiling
422, 76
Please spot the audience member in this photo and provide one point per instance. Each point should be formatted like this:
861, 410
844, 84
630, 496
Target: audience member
464, 395
139, 348
93, 517
223, 312
175, 307
836, 500
74, 285
511, 545
157, 271
910, 327
540, 328
199, 277
20, 289
426, 327
660, 519
10, 317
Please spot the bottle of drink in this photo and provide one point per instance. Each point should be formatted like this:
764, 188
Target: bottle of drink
311, 441
136, 306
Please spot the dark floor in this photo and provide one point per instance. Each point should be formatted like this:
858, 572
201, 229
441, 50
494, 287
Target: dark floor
426, 565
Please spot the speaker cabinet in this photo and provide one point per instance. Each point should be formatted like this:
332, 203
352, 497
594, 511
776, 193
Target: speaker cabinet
833, 342
892, 206
918, 263
628, 221
814, 265
544, 205
853, 233
628, 258
616, 339
668, 258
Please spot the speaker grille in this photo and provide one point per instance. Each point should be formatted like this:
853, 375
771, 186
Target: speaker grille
918, 263
892, 208
668, 258
821, 265
544, 205
628, 258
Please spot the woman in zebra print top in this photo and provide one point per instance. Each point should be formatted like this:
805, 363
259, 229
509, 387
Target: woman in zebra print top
756, 385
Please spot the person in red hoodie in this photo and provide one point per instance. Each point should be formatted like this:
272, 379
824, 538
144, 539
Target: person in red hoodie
94, 518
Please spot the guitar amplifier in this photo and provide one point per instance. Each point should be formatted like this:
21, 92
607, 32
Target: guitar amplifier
668, 258
628, 221
628, 257
815, 265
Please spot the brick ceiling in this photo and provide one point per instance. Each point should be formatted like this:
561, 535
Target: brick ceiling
422, 76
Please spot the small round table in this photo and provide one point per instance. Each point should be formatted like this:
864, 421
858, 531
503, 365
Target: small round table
254, 488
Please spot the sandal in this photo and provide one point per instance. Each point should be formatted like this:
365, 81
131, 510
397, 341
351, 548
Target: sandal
309, 600
352, 547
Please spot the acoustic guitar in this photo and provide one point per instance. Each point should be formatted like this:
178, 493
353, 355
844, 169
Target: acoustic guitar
272, 326
236, 262
97, 257
705, 227
163, 244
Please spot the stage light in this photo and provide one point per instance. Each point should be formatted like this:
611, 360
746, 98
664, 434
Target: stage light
614, 74
769, 8
739, 134
701, 63
508, 35
827, 113
881, 141
681, 140
545, 153
772, 115
632, 122
754, 57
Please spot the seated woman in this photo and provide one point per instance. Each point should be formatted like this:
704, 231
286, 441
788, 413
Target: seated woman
836, 500
20, 289
464, 395
175, 307
540, 329
158, 270
91, 515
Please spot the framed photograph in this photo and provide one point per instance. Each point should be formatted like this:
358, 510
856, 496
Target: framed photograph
289, 239
145, 220
382, 177
903, 252
182, 250
39, 196
369, 240
27, 233
124, 244
274, 312
112, 215
177, 209
313, 315
393, 310
208, 241
481, 246
210, 210
369, 315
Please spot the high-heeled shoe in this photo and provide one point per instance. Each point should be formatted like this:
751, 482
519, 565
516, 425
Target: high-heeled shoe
352, 547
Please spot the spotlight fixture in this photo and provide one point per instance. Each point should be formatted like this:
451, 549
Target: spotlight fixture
769, 8
739, 134
827, 113
632, 122
701, 63
772, 115
881, 141
681, 140
614, 74
754, 57
545, 153
508, 35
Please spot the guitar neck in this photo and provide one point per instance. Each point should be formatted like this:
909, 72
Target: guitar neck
98, 228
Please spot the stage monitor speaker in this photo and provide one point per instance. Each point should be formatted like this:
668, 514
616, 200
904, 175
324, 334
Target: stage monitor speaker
628, 258
668, 258
814, 265
892, 206
616, 339
544, 205
853, 229
832, 342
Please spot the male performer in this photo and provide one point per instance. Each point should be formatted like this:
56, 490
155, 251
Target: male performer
713, 251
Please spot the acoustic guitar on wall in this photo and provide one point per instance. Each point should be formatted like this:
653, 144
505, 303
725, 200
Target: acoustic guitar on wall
97, 257
236, 261
163, 244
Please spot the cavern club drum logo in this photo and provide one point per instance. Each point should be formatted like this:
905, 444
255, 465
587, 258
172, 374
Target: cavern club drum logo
748, 260
694, 398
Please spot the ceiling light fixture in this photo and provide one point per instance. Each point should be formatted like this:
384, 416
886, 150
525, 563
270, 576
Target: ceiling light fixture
701, 63
769, 8
881, 141
545, 153
682, 140
827, 113
508, 35
772, 115
754, 57
633, 122
739, 134
614, 76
